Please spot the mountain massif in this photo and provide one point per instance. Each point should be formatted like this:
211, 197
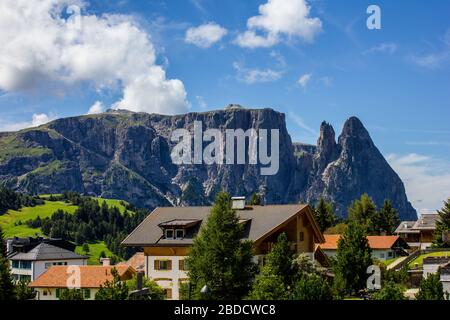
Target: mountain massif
126, 155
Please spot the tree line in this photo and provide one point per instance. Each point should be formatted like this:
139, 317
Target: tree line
92, 222
10, 200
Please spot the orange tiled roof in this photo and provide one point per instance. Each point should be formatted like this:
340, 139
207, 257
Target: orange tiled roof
90, 276
375, 242
137, 261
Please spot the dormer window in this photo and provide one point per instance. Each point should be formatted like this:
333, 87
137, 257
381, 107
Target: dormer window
179, 234
169, 233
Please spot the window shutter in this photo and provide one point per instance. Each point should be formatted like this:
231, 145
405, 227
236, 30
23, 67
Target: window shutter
181, 265
169, 293
169, 265
156, 265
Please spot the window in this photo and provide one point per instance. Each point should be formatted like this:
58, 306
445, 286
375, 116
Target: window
163, 265
15, 264
44, 292
169, 234
25, 265
168, 293
301, 236
390, 254
182, 265
381, 255
87, 293
179, 234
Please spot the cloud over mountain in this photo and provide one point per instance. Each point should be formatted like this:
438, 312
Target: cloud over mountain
51, 45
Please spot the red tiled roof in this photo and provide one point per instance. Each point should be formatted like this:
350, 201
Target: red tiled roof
375, 242
90, 276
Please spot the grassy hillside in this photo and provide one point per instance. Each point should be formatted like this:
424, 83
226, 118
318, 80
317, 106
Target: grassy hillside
13, 222
95, 249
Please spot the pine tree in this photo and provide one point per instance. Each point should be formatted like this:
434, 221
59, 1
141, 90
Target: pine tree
442, 226
324, 214
277, 276
353, 257
7, 289
431, 288
219, 258
363, 211
386, 219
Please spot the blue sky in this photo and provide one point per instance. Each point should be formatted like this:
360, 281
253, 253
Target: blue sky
326, 65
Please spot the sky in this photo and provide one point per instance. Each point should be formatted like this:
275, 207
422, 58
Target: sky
313, 60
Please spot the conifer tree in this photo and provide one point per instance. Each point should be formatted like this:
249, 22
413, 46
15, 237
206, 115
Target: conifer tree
442, 226
324, 214
219, 258
386, 219
7, 288
353, 257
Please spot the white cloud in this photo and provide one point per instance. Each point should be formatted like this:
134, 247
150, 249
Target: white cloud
43, 50
201, 102
96, 108
301, 123
389, 48
278, 19
38, 119
304, 79
256, 75
435, 59
206, 35
426, 179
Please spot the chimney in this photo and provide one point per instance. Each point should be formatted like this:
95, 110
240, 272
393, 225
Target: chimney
9, 247
238, 203
106, 262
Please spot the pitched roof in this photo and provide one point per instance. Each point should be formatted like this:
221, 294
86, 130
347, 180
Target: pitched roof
406, 227
90, 276
375, 242
46, 251
426, 222
137, 261
261, 220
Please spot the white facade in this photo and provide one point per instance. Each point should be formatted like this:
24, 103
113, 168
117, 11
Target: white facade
445, 280
167, 279
383, 254
21, 271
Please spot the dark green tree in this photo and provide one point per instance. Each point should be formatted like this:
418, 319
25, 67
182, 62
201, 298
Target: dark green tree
353, 257
386, 220
277, 276
255, 200
7, 288
431, 288
442, 226
324, 214
114, 289
23, 292
219, 258
363, 211
86, 248
71, 294
390, 291
313, 287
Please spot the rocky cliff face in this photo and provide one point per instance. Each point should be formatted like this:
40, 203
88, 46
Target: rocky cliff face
126, 155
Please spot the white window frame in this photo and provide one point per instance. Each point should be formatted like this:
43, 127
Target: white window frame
169, 230
176, 232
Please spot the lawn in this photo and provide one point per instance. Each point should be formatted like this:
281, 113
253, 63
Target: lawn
419, 259
9, 221
94, 252
389, 261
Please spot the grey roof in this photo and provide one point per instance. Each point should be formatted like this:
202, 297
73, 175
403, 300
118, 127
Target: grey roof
406, 227
261, 220
426, 222
45, 251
